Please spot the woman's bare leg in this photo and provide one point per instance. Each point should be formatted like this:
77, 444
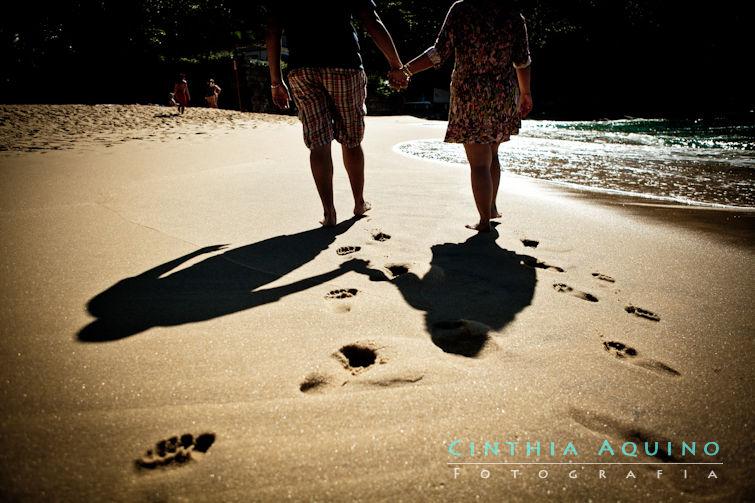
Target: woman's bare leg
480, 159
495, 175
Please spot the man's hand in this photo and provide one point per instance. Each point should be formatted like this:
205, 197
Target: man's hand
398, 79
525, 104
281, 96
210, 249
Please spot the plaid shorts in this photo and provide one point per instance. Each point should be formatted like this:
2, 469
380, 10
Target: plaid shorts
331, 104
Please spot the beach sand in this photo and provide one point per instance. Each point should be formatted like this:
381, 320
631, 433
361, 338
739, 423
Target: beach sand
165, 276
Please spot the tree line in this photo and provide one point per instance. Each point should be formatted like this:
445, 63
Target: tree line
591, 58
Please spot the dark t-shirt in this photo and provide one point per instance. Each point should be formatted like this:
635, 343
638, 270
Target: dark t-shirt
320, 33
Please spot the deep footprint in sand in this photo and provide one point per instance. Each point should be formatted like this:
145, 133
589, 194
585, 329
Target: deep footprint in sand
621, 351
397, 270
642, 313
358, 357
380, 236
462, 337
530, 243
539, 264
176, 451
342, 293
346, 250
564, 288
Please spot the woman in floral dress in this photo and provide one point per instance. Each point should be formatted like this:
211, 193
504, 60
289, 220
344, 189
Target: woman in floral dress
490, 88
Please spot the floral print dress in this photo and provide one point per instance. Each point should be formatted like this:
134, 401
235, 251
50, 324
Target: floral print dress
489, 42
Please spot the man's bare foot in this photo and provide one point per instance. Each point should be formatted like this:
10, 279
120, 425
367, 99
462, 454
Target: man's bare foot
480, 227
329, 220
363, 208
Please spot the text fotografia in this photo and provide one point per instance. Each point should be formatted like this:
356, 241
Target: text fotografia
603, 473
667, 451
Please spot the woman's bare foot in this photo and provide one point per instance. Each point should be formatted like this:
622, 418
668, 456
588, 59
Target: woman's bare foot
361, 209
329, 219
494, 213
480, 227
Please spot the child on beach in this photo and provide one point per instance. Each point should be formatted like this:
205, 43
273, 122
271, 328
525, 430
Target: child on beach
212, 93
181, 92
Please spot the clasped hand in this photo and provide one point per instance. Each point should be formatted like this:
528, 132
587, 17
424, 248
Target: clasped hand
398, 79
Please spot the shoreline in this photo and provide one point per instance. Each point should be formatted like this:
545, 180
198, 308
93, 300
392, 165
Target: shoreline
736, 226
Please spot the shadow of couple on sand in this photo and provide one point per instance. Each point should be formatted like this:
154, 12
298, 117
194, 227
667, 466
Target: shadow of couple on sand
216, 286
471, 288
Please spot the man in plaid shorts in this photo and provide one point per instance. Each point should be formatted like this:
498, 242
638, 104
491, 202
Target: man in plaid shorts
328, 83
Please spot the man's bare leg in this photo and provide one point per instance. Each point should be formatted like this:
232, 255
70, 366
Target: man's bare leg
353, 160
321, 163
495, 174
479, 157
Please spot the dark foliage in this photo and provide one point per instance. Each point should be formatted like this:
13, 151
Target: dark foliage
592, 58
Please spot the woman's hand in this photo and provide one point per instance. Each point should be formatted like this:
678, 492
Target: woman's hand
525, 104
398, 79
281, 96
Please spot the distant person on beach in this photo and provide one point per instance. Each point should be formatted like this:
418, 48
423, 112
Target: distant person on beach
328, 83
181, 92
490, 88
212, 93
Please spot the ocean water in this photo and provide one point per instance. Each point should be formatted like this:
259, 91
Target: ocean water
697, 162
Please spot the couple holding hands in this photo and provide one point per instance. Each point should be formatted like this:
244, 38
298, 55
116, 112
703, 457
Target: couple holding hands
490, 85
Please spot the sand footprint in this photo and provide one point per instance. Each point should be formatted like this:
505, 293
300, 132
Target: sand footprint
642, 313
397, 269
610, 427
176, 451
380, 236
655, 450
530, 243
621, 351
564, 288
358, 357
346, 250
314, 382
539, 264
342, 293
462, 337
603, 277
